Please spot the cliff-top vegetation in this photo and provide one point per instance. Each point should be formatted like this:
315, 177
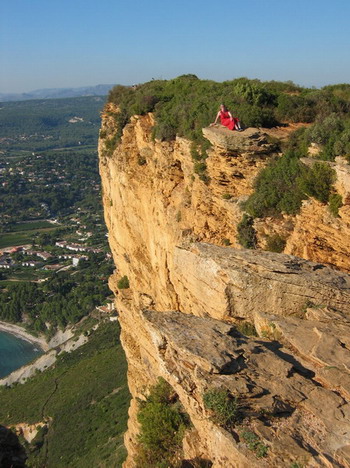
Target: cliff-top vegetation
184, 105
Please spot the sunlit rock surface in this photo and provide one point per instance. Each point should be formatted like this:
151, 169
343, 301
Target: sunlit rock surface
188, 295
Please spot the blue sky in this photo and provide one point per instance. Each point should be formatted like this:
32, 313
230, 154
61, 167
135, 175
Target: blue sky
69, 43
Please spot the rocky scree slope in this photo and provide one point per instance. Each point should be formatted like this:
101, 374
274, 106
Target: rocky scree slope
189, 296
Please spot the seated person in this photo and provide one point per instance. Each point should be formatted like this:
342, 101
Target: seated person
226, 119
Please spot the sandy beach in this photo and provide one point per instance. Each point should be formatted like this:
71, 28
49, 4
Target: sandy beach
22, 333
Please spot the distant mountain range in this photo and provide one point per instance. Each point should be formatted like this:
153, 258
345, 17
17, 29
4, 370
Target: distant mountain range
56, 93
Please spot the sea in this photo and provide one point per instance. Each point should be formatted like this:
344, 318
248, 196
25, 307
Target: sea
15, 352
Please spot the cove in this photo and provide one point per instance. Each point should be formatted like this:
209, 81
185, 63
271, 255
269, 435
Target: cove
15, 352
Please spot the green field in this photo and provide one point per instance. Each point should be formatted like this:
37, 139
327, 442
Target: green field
26, 274
31, 225
14, 238
86, 399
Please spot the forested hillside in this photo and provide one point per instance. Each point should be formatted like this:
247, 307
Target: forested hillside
80, 405
49, 123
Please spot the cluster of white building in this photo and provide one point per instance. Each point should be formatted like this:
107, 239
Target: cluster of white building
6, 262
44, 255
76, 247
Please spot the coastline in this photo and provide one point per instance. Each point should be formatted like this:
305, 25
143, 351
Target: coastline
20, 332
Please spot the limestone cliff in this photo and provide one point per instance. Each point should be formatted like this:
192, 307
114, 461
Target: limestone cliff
318, 235
188, 293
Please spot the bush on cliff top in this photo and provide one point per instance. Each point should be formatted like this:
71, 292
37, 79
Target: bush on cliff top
285, 183
184, 105
277, 188
317, 181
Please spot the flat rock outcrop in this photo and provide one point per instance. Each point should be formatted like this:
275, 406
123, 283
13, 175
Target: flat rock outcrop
248, 281
250, 140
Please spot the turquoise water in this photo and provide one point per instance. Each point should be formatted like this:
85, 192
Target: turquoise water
15, 352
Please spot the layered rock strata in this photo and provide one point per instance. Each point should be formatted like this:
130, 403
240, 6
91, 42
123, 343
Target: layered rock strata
187, 297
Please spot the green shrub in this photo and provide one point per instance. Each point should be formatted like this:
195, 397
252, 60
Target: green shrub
227, 196
317, 182
123, 283
254, 443
247, 328
200, 168
297, 143
162, 427
199, 155
284, 184
204, 178
277, 188
223, 406
278, 87
121, 118
335, 202
275, 243
321, 131
333, 134
341, 145
330, 100
253, 92
199, 150
110, 144
295, 108
165, 131
254, 116
246, 234
161, 392
226, 242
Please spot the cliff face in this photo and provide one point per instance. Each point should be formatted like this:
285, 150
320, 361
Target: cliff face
153, 200
166, 231
318, 235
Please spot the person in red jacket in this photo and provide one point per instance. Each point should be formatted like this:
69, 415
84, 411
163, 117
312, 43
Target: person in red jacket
226, 119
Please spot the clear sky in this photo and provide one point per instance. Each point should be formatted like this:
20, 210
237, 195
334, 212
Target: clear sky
70, 43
